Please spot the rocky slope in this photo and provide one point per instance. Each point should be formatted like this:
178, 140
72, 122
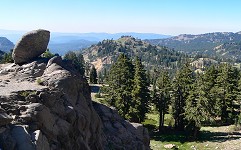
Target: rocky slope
231, 50
46, 104
202, 63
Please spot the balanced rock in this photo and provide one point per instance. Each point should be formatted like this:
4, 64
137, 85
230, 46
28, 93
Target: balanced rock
30, 46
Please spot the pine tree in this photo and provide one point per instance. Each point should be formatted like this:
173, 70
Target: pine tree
7, 57
140, 93
197, 106
181, 87
238, 102
162, 99
93, 75
77, 60
120, 87
226, 88
100, 78
209, 82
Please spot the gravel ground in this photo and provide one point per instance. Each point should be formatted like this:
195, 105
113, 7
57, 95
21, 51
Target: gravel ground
228, 138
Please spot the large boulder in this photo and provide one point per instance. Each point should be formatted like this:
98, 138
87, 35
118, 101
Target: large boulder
30, 46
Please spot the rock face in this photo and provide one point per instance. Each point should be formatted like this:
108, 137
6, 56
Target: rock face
57, 116
31, 45
46, 105
119, 133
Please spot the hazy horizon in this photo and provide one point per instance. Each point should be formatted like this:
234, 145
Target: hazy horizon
66, 32
168, 17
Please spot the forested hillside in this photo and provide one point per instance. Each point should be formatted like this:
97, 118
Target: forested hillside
231, 50
106, 52
206, 44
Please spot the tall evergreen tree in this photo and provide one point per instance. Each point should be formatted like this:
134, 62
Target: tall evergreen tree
238, 102
197, 106
209, 81
162, 99
100, 78
227, 88
140, 93
93, 75
181, 87
120, 87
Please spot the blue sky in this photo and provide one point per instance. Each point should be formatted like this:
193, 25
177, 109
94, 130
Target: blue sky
171, 17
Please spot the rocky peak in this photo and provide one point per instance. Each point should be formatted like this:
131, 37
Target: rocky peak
46, 104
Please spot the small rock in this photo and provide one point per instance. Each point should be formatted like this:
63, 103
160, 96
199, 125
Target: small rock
55, 59
170, 146
193, 147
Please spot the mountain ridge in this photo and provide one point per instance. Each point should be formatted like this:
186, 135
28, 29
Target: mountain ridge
201, 43
5, 44
92, 36
103, 54
63, 42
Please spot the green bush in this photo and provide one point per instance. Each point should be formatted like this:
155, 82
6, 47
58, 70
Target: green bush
47, 54
26, 93
98, 95
150, 124
39, 81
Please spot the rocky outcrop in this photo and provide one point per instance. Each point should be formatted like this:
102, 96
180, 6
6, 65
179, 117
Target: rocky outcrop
119, 133
46, 105
57, 116
31, 45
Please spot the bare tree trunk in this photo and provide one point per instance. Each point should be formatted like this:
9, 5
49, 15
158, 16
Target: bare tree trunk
160, 121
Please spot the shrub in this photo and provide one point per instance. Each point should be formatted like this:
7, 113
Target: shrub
47, 54
98, 95
39, 81
150, 124
26, 93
